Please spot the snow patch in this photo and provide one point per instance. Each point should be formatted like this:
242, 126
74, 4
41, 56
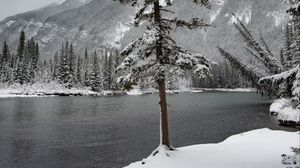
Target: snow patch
278, 105
230, 90
61, 2
243, 14
135, 92
10, 23
285, 111
216, 12
278, 17
121, 30
83, 34
260, 148
289, 114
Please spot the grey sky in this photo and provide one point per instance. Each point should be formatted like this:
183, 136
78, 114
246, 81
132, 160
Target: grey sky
12, 7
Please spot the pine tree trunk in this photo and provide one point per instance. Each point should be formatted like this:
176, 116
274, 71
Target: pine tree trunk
161, 84
164, 113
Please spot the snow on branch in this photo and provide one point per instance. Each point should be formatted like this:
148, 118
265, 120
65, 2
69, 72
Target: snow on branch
251, 72
144, 13
290, 77
261, 52
131, 2
192, 24
278, 78
149, 38
205, 3
183, 60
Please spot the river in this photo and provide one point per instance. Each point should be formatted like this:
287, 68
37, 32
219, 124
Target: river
111, 132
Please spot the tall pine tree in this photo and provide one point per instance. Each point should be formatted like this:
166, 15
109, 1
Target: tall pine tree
155, 53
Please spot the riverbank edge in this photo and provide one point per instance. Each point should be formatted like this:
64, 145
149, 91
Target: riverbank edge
254, 149
44, 92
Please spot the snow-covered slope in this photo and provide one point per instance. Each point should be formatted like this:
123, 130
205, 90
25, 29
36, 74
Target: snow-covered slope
261, 148
33, 21
95, 23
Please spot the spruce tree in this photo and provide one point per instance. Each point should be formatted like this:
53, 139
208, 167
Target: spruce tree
95, 75
36, 55
71, 77
64, 69
78, 70
20, 68
21, 46
86, 69
5, 63
155, 53
56, 66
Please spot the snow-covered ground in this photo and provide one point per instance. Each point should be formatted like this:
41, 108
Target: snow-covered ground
50, 89
285, 111
230, 90
42, 89
55, 89
186, 90
262, 148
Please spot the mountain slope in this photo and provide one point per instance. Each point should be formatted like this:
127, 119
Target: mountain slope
32, 21
107, 23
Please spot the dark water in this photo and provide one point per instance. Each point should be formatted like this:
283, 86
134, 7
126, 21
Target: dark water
111, 132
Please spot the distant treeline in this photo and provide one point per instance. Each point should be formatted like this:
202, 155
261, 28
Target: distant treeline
96, 70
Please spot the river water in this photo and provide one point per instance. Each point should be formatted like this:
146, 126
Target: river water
111, 132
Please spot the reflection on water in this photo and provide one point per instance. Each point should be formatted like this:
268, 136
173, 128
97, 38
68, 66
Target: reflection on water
109, 132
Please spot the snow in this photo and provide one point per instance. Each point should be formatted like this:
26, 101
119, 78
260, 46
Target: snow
121, 30
60, 2
285, 111
9, 23
243, 14
262, 148
282, 76
278, 105
216, 12
278, 17
135, 92
289, 114
44, 89
230, 90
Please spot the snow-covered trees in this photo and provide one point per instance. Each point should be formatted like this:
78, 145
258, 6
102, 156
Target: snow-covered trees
95, 75
290, 77
25, 64
5, 64
281, 75
155, 53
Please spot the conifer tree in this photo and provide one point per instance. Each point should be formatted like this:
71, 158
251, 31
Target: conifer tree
64, 68
20, 69
155, 53
4, 63
95, 75
71, 57
286, 51
86, 69
78, 70
56, 66
36, 55
21, 46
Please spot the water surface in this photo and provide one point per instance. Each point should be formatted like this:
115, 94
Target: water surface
111, 132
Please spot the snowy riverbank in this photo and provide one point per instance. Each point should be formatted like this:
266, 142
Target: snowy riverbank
285, 111
262, 148
229, 90
54, 89
50, 89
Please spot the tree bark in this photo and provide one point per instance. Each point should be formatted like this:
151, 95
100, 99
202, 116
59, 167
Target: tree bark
161, 83
164, 113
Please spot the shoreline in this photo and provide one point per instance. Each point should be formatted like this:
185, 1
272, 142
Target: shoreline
12, 92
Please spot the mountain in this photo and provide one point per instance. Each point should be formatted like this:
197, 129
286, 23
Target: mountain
33, 21
97, 23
